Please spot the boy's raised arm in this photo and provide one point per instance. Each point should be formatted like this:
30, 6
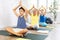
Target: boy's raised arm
15, 8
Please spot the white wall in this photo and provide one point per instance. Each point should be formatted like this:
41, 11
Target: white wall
58, 14
7, 17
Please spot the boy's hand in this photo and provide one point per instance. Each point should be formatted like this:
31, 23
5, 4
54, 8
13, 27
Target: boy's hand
39, 11
20, 2
33, 6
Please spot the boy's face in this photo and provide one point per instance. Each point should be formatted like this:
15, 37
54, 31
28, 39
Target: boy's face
21, 12
34, 12
42, 10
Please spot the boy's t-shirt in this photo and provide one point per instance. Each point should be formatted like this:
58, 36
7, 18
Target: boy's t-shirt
21, 22
42, 18
34, 19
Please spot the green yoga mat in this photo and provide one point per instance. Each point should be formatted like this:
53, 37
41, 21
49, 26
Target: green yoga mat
28, 36
22, 39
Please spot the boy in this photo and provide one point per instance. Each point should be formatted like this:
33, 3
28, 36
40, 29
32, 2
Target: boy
21, 25
42, 17
34, 16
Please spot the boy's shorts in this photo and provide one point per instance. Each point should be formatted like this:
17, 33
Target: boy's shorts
43, 24
17, 29
36, 25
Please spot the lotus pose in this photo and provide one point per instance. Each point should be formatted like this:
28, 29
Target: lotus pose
42, 17
21, 25
34, 18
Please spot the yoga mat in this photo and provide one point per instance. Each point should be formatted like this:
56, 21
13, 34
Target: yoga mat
28, 36
22, 39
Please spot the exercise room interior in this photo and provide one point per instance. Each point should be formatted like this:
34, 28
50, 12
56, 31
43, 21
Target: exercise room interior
29, 19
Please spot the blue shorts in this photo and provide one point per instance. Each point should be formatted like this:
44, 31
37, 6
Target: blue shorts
43, 24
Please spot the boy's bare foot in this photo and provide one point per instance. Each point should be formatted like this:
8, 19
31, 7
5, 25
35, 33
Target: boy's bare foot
10, 34
19, 34
23, 32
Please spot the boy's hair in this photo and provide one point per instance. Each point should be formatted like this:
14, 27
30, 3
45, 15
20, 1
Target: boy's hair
22, 9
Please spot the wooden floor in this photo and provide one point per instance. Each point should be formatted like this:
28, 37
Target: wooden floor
6, 38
